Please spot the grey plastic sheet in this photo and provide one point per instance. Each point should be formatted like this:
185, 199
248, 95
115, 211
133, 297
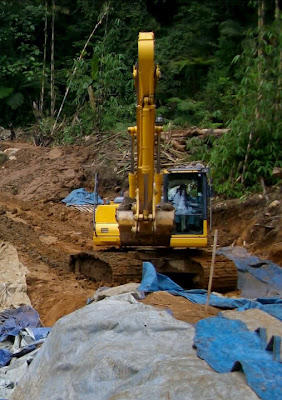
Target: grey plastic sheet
119, 349
256, 277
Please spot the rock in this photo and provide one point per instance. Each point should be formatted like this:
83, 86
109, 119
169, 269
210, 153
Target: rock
55, 153
3, 157
47, 239
11, 151
102, 293
63, 217
5, 134
274, 204
277, 172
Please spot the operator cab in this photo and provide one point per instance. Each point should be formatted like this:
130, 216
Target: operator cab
186, 189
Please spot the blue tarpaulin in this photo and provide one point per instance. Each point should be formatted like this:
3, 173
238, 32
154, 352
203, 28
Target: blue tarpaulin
256, 277
152, 281
14, 320
228, 345
12, 323
5, 357
82, 197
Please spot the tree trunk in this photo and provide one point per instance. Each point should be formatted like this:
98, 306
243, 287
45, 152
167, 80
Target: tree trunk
91, 97
277, 10
41, 103
52, 111
261, 9
278, 92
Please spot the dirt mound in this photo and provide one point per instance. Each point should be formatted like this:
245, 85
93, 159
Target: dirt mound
254, 223
38, 173
180, 307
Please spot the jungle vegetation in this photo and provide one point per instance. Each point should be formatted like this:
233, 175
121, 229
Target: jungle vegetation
66, 65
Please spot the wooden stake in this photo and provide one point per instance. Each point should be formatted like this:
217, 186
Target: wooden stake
211, 270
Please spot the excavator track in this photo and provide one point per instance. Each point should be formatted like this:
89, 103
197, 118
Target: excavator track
189, 268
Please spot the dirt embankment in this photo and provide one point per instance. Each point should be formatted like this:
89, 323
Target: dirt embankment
254, 223
46, 232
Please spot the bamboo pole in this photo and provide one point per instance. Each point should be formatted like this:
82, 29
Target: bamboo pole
211, 270
52, 108
41, 103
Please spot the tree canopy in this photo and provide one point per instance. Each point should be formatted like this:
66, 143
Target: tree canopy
72, 60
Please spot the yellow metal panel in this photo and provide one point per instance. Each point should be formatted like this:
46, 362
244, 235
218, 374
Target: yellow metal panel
107, 232
106, 214
205, 230
132, 185
188, 241
106, 240
191, 240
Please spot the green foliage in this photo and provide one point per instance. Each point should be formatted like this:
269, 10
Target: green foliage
19, 57
256, 129
185, 112
81, 126
15, 100
212, 75
200, 149
5, 92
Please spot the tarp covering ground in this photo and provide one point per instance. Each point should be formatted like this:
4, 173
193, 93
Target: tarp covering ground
256, 277
153, 281
228, 345
118, 348
82, 197
20, 335
13, 287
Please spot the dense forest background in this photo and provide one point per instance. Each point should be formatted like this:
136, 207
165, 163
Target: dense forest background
66, 65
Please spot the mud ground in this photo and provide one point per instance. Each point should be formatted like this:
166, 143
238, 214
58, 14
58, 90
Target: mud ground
46, 232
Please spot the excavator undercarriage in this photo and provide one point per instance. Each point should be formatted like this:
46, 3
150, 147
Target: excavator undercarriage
189, 268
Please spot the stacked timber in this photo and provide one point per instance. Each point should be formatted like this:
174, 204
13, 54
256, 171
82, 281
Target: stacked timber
115, 150
180, 136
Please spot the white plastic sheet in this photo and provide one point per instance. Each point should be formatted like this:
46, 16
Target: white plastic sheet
119, 349
13, 288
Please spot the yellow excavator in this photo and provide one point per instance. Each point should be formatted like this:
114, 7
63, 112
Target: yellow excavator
163, 208
163, 217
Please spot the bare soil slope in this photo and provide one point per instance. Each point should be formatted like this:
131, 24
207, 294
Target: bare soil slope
46, 232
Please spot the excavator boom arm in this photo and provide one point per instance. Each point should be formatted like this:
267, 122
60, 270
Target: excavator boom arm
145, 75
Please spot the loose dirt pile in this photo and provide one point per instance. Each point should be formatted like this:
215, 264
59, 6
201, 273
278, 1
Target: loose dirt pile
254, 223
180, 307
46, 232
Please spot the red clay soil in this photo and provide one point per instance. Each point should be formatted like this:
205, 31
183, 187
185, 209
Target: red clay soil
46, 232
